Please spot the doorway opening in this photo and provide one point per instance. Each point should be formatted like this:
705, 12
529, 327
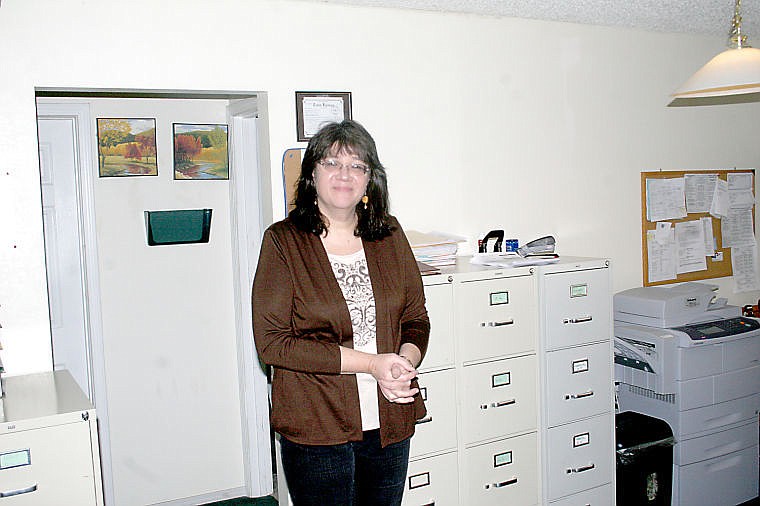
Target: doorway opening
111, 324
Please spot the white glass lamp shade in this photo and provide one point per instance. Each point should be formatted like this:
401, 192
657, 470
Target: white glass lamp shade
732, 72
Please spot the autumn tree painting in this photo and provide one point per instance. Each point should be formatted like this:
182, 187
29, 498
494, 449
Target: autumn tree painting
127, 147
200, 151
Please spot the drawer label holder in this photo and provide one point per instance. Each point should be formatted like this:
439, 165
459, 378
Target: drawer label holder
580, 290
502, 459
15, 459
419, 480
498, 298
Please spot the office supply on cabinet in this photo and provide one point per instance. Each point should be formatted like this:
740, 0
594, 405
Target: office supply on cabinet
685, 356
538, 247
433, 248
497, 236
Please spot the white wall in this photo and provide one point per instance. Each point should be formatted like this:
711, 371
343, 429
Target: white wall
483, 122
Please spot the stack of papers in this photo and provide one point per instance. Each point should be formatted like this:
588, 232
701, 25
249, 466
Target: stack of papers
433, 248
512, 259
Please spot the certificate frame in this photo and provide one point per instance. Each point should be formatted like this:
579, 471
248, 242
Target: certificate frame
314, 108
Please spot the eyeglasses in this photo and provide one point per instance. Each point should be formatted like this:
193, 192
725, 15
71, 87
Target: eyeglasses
332, 166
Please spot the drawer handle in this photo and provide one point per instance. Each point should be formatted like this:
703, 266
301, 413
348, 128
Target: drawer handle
499, 404
10, 493
579, 396
498, 324
429, 504
501, 484
581, 469
427, 419
582, 319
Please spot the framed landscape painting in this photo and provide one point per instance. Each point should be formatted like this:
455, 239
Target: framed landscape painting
200, 151
127, 147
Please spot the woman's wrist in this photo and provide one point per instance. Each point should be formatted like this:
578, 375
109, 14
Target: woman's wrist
408, 360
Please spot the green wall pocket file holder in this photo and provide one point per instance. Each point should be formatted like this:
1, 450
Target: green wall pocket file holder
181, 226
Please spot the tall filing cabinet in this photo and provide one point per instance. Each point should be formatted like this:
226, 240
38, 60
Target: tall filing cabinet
479, 442
49, 452
518, 385
577, 392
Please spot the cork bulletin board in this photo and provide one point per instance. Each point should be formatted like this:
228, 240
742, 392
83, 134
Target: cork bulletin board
291, 169
719, 265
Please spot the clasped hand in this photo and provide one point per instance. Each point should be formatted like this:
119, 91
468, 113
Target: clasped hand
394, 375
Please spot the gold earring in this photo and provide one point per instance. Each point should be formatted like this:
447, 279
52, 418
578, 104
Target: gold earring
365, 199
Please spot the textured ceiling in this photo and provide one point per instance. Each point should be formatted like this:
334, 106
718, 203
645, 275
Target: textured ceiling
711, 17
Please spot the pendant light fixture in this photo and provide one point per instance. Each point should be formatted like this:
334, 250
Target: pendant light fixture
735, 71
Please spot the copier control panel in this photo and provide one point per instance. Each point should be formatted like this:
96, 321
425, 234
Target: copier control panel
719, 328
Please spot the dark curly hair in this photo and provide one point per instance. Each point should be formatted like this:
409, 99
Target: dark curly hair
374, 222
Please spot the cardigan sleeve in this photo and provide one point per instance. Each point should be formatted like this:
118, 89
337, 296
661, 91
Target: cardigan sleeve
415, 324
272, 305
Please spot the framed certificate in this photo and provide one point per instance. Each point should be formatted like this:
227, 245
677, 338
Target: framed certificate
315, 108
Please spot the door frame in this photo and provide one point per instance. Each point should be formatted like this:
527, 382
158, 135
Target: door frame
249, 148
79, 114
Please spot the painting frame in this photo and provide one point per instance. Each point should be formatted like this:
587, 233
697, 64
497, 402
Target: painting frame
200, 151
315, 108
125, 146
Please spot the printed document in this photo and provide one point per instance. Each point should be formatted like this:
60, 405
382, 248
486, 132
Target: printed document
661, 255
744, 265
690, 244
700, 189
737, 228
719, 207
665, 199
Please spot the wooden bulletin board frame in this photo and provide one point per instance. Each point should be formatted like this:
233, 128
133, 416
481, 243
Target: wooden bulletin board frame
715, 268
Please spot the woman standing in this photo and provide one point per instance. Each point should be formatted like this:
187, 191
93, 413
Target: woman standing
339, 314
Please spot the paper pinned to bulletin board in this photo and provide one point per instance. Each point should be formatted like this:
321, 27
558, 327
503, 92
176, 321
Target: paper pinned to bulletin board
699, 225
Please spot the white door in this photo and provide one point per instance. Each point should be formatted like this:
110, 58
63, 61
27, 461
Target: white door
60, 209
66, 175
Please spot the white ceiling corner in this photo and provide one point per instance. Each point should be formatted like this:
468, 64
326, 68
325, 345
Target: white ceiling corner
705, 17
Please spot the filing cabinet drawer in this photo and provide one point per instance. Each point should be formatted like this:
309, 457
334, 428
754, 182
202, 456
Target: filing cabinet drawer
438, 430
440, 308
577, 307
600, 496
580, 455
498, 398
53, 466
432, 481
502, 472
579, 382
496, 317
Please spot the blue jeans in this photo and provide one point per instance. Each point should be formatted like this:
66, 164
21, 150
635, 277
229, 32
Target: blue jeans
359, 473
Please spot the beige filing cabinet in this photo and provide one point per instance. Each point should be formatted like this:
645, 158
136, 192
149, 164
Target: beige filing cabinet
478, 444
520, 407
577, 392
49, 452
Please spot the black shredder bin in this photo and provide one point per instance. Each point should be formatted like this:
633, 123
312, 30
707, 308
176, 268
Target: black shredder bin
644, 456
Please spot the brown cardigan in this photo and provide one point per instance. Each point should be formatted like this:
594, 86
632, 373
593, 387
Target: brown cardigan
300, 318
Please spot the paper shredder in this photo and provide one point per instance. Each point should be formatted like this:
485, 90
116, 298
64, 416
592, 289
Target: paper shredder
644, 460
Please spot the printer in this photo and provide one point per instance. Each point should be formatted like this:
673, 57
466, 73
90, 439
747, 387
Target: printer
685, 356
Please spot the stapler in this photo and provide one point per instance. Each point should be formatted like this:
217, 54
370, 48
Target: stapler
543, 246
